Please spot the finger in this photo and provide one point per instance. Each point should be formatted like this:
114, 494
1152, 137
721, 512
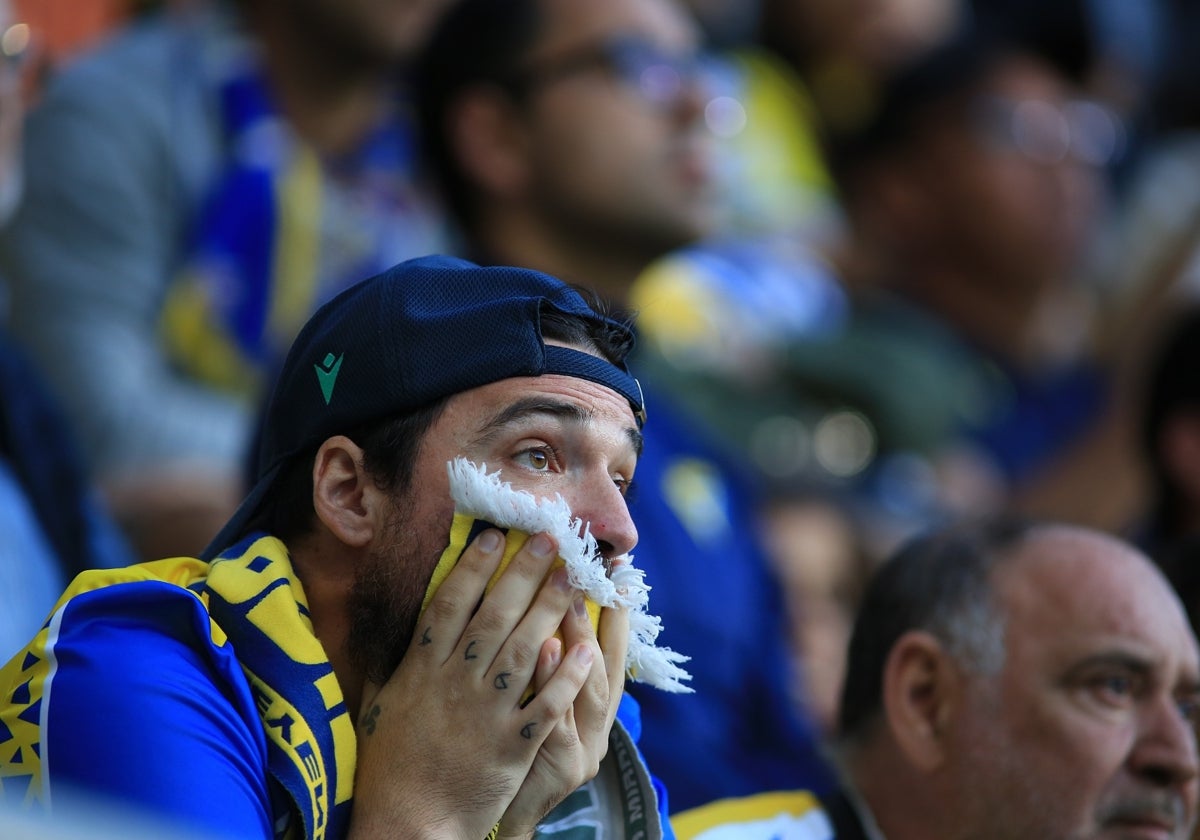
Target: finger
503, 608
548, 659
596, 698
440, 628
614, 642
557, 697
522, 657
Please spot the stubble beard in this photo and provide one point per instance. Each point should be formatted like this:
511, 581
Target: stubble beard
385, 598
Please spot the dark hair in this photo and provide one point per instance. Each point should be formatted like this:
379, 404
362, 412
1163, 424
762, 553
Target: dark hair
941, 80
1173, 386
390, 449
939, 582
476, 42
390, 445
933, 82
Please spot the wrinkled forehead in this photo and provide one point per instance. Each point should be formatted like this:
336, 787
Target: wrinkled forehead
1072, 589
589, 415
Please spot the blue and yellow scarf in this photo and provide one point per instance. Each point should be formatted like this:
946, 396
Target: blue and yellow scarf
254, 596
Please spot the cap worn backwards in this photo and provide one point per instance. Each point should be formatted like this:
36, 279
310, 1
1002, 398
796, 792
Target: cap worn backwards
419, 332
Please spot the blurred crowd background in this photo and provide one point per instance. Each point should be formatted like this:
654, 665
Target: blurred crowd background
952, 269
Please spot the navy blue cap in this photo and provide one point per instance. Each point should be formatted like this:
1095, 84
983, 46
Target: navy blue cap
419, 332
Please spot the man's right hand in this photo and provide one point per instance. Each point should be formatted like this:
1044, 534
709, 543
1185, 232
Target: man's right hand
445, 747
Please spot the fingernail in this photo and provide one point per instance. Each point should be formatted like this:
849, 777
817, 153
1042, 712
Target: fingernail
584, 654
489, 541
562, 581
541, 546
580, 607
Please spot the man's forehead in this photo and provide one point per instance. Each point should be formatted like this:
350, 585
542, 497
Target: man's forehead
1080, 589
567, 22
559, 398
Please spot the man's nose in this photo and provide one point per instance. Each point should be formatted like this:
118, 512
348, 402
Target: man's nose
1165, 752
604, 508
695, 91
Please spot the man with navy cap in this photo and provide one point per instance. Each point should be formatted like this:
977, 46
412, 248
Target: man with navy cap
282, 686
570, 137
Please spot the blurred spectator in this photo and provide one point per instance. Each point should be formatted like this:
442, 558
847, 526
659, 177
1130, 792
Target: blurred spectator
1146, 253
1169, 530
954, 374
799, 65
62, 28
1116, 51
823, 566
1006, 681
195, 186
725, 307
975, 191
52, 521
1171, 441
1154, 272
728, 307
569, 137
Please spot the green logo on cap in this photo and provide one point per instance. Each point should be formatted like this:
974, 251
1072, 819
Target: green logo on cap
327, 374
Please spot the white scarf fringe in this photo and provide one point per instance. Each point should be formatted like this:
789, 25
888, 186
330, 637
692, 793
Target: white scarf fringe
485, 496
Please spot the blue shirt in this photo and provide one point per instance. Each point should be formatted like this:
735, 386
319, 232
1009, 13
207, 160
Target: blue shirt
740, 732
139, 690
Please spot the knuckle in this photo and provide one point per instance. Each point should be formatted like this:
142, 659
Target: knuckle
569, 739
519, 652
491, 620
445, 606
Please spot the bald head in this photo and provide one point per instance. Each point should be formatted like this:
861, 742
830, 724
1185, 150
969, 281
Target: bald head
1082, 726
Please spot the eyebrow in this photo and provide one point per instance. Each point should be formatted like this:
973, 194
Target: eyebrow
1135, 664
567, 412
1118, 658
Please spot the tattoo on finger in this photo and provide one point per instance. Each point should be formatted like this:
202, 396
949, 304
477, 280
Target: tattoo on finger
467, 654
425, 638
501, 681
527, 731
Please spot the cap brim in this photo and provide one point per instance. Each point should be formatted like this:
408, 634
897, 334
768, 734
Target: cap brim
236, 527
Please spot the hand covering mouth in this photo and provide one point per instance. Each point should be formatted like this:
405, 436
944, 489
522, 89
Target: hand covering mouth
482, 499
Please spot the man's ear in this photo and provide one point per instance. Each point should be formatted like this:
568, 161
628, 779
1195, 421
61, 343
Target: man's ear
345, 498
484, 132
922, 689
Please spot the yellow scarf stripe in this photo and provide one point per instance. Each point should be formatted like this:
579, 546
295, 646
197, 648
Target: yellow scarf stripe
257, 599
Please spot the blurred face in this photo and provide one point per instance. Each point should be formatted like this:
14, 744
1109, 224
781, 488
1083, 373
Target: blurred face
1086, 732
617, 149
548, 435
1007, 185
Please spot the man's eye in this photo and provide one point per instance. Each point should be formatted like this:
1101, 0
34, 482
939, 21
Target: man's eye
537, 459
1114, 689
1189, 708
